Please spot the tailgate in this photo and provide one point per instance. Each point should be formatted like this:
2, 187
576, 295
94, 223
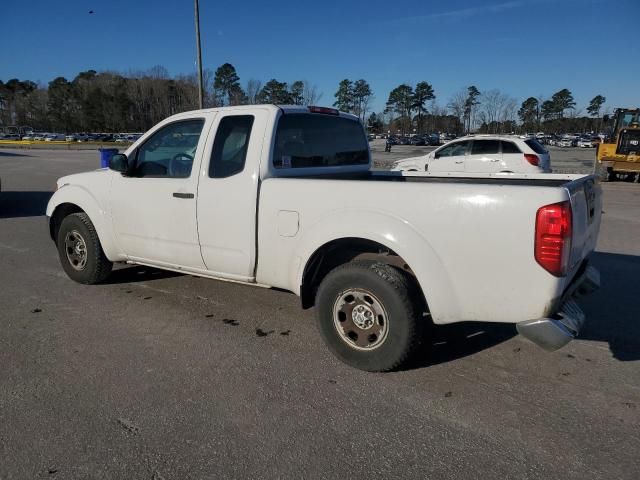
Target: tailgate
586, 205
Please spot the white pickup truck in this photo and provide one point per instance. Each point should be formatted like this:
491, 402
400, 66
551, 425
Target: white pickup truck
284, 197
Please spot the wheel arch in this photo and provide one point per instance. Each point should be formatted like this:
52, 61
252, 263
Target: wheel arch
338, 252
59, 213
410, 254
74, 199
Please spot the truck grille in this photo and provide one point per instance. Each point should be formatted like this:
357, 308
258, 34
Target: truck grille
629, 142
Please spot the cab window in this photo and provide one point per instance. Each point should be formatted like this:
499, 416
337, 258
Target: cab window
229, 152
169, 152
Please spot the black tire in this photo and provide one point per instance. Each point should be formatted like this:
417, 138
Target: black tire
602, 173
394, 292
94, 266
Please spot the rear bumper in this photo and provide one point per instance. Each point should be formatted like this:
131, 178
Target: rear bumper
558, 330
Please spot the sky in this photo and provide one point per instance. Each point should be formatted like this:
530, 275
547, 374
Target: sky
521, 47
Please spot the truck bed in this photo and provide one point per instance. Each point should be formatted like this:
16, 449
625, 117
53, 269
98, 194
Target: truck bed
455, 233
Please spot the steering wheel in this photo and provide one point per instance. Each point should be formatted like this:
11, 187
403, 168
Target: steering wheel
180, 162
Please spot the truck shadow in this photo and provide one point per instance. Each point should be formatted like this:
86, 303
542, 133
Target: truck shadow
612, 318
138, 273
450, 342
12, 154
613, 312
23, 204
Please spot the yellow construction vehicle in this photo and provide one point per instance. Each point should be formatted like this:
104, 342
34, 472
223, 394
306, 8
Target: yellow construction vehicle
619, 155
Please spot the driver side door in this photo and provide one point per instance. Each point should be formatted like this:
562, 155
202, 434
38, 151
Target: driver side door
153, 207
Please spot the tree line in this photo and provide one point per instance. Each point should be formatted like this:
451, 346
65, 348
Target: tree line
114, 102
414, 109
110, 101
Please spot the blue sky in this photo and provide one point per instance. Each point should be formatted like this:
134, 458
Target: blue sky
522, 47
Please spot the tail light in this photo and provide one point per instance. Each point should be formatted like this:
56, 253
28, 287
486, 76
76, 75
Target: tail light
325, 110
553, 237
532, 158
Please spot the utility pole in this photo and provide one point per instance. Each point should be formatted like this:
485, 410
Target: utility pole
200, 86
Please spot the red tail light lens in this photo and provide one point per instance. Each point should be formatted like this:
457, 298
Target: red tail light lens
553, 237
532, 158
325, 110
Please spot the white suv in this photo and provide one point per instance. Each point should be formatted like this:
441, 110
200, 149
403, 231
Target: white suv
483, 154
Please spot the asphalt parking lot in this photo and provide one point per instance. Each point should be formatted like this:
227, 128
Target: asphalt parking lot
158, 375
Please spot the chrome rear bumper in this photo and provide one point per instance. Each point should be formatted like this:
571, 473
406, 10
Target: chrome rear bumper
555, 332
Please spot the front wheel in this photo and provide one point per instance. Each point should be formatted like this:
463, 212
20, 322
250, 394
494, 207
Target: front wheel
367, 315
80, 251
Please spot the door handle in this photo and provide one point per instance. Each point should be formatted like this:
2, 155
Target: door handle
458, 162
183, 195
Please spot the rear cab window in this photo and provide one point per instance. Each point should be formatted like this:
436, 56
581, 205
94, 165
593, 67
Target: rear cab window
309, 140
534, 145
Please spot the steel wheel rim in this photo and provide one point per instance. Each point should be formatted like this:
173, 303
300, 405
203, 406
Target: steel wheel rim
76, 249
360, 319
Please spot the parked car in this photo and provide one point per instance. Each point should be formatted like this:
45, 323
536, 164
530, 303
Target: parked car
374, 252
556, 140
585, 143
483, 154
28, 136
404, 141
417, 140
40, 136
446, 137
11, 136
54, 137
567, 142
432, 139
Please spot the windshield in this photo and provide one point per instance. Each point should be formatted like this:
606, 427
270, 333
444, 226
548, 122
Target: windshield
628, 118
316, 140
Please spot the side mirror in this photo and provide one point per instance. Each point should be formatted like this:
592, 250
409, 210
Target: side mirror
119, 162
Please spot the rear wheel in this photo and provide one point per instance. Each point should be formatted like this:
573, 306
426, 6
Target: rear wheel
367, 315
80, 251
